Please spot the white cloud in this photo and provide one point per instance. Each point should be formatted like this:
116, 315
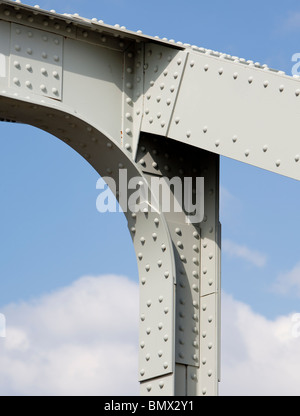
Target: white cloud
236, 250
82, 340
288, 282
260, 356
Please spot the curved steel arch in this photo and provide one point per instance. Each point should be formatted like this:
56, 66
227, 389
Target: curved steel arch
158, 109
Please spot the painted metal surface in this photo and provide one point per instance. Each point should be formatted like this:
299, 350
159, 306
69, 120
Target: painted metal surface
159, 109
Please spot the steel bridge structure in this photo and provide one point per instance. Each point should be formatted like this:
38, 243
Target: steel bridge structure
162, 109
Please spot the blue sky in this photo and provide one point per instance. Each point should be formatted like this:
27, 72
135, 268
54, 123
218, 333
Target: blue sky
51, 233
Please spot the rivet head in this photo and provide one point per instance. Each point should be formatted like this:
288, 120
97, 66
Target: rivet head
250, 80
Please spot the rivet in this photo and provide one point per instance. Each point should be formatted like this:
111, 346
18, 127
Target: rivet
142, 372
29, 51
234, 139
205, 129
44, 71
149, 303
160, 353
160, 326
167, 274
188, 134
297, 158
149, 387
206, 68
160, 299
176, 75
209, 373
166, 337
166, 311
28, 84
297, 93
169, 101
179, 244
161, 384
148, 331
166, 365
247, 153
192, 64
235, 75
18, 48
156, 221
217, 143
204, 391
147, 357
143, 318
44, 55
221, 70
147, 268
278, 163
159, 263
210, 345
250, 80
281, 88
210, 319
266, 83
17, 64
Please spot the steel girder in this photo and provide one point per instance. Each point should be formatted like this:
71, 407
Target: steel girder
158, 109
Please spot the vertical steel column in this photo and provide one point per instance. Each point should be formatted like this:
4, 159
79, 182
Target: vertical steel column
196, 285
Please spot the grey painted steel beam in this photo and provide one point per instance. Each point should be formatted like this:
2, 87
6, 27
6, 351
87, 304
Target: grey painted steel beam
124, 100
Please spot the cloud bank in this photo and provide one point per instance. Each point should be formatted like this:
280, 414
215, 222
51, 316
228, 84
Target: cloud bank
83, 340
